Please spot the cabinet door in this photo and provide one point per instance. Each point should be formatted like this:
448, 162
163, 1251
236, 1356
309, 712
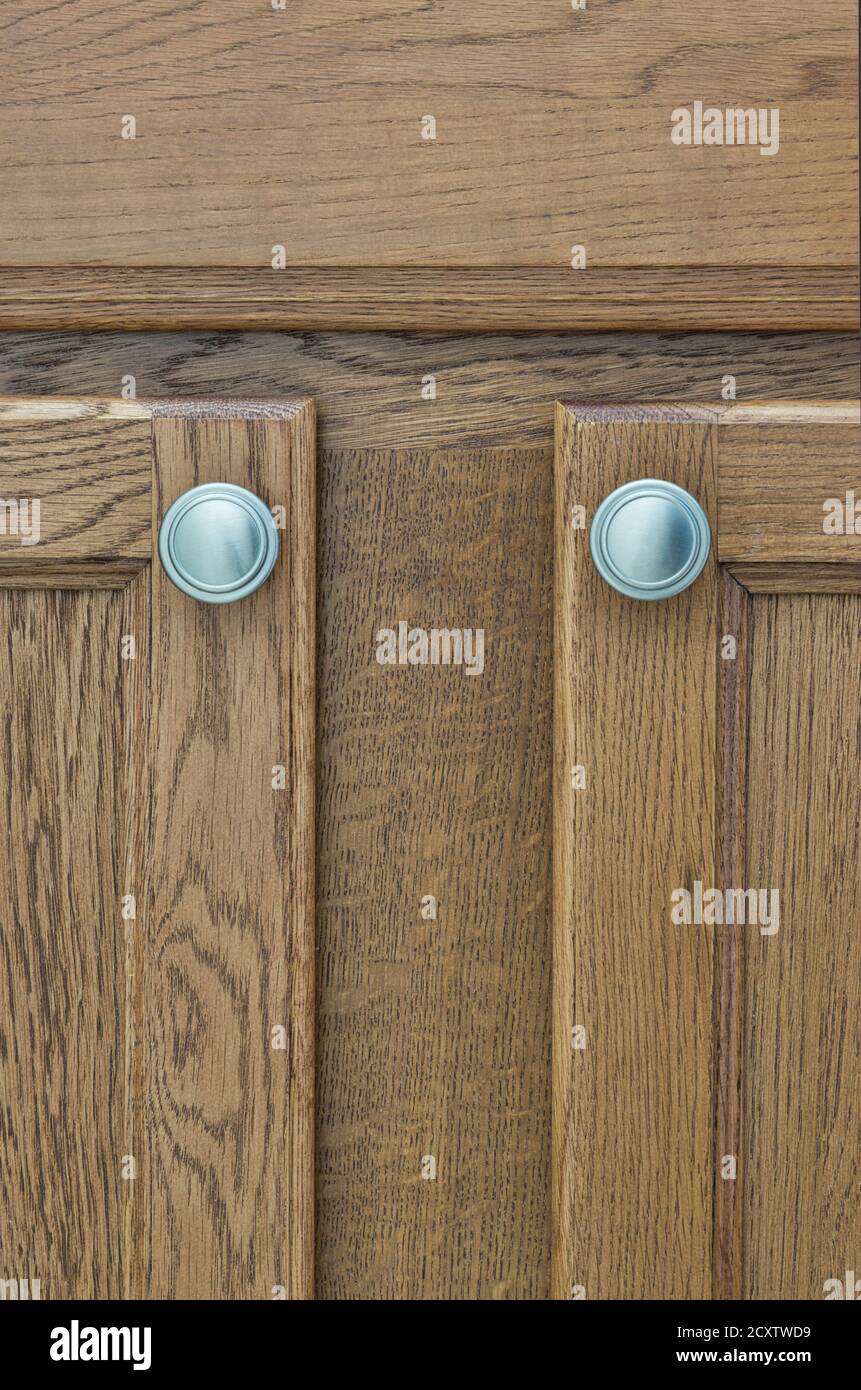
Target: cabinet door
156, 860
706, 1057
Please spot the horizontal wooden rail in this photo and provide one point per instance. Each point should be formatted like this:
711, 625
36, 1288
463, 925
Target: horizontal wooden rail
787, 479
494, 299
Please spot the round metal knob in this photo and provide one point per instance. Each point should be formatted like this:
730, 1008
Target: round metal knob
650, 539
218, 542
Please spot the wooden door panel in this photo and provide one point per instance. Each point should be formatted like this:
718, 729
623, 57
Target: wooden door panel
158, 902
802, 1039
433, 1033
706, 1042
257, 127
64, 1017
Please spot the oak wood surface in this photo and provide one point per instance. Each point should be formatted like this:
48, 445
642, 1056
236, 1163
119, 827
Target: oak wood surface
145, 1036
63, 714
730, 948
492, 391
803, 985
303, 127
90, 477
495, 395
777, 761
782, 469
635, 707
39, 409
427, 299
433, 1038
777, 483
228, 1123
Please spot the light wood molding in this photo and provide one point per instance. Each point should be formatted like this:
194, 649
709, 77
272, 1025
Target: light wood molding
432, 299
37, 409
33, 409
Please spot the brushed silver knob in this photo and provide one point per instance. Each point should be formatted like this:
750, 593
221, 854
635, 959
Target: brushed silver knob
218, 542
649, 539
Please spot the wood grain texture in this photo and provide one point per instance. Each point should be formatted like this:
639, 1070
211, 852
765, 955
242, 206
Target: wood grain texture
135, 816
228, 1121
492, 392
425, 299
781, 470
64, 718
775, 481
38, 409
728, 1020
89, 474
779, 755
635, 706
376, 432
433, 1036
803, 989
145, 1036
256, 127
781, 578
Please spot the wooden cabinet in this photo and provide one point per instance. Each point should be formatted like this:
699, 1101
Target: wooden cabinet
422, 228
